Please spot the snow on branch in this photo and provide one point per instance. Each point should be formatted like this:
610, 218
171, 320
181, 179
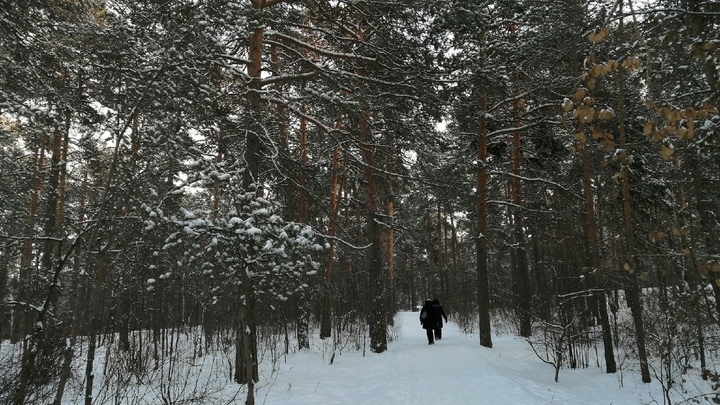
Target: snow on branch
541, 180
318, 50
315, 121
510, 100
522, 207
512, 129
233, 58
261, 4
286, 78
583, 294
343, 241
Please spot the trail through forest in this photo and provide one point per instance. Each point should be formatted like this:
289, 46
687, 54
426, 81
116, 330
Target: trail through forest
455, 370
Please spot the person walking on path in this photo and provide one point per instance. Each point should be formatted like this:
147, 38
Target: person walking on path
439, 315
428, 320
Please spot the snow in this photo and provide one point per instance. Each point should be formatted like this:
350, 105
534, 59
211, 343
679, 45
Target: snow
455, 370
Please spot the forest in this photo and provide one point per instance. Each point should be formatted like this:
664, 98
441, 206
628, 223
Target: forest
236, 177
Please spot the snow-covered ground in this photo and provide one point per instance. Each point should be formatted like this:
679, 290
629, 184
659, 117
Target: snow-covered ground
456, 370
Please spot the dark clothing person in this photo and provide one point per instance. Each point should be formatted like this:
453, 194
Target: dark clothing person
439, 315
428, 320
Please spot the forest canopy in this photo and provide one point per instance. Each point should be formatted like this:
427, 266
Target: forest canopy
267, 169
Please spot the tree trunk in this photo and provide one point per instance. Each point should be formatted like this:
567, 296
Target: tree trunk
632, 291
524, 290
377, 275
22, 321
122, 316
78, 302
35, 342
483, 286
326, 319
431, 257
695, 280
96, 305
698, 21
99, 252
460, 270
252, 147
390, 232
413, 293
440, 258
280, 107
246, 358
522, 274
374, 218
303, 320
707, 208
22, 328
219, 158
60, 215
4, 313
593, 259
51, 207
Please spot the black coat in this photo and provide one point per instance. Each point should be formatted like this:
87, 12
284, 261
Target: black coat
428, 316
439, 315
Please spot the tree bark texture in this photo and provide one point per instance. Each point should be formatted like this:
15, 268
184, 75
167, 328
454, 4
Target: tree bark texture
593, 260
483, 286
632, 291
524, 290
326, 320
374, 254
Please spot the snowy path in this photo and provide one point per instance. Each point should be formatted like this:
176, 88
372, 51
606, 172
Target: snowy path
456, 370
